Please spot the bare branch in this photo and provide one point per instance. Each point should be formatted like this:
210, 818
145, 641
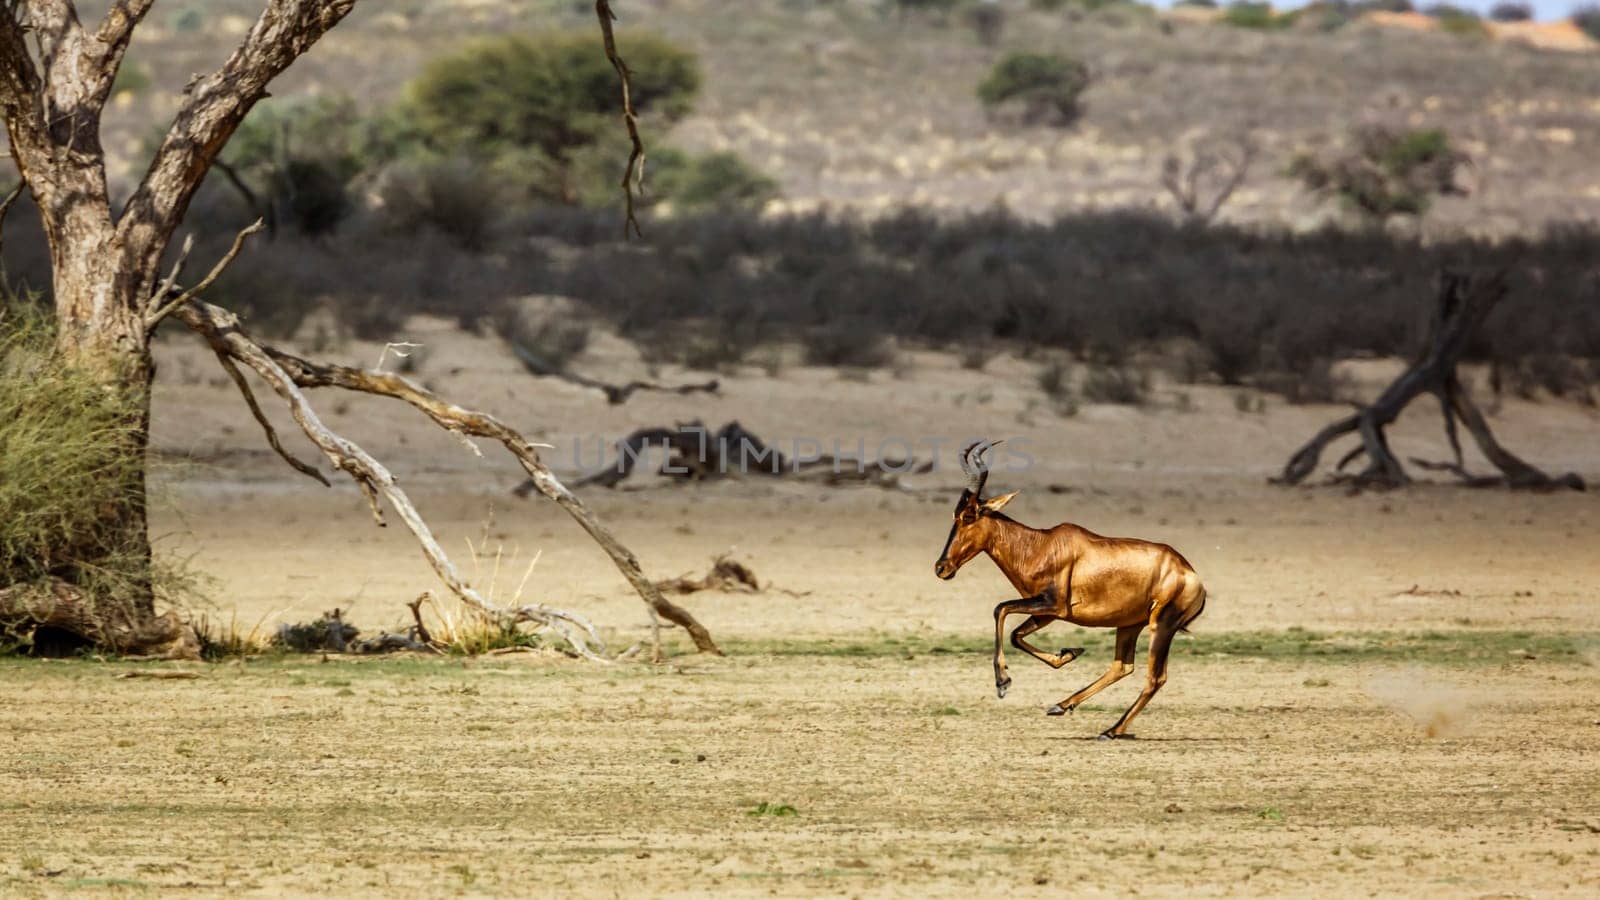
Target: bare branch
633, 175
154, 319
1197, 187
221, 329
171, 282
616, 394
294, 462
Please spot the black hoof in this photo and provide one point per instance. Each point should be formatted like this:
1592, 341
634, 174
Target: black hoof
1071, 653
1108, 736
1057, 710
1000, 688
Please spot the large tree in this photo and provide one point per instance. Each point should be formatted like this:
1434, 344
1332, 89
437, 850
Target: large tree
110, 293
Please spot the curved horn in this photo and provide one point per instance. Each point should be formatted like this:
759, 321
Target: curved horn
974, 464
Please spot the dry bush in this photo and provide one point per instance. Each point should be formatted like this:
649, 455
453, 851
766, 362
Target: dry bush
1122, 385
555, 339
66, 456
1384, 171
853, 342
987, 21
454, 196
1055, 380
1316, 381
62, 460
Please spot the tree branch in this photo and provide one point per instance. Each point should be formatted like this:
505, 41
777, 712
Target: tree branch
111, 43
221, 329
633, 175
154, 319
216, 104
294, 462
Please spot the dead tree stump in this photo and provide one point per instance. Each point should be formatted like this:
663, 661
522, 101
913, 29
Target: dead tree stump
1462, 306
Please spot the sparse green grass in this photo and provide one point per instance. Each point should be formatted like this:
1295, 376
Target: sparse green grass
776, 810
1447, 648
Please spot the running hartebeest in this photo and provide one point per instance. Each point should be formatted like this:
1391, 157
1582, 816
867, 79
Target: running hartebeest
1075, 575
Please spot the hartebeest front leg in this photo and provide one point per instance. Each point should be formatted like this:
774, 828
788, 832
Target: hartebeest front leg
1121, 667
1053, 660
1026, 606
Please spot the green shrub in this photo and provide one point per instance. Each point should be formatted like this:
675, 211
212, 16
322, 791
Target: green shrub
545, 96
1322, 15
1385, 172
1587, 18
1049, 86
1458, 21
1249, 14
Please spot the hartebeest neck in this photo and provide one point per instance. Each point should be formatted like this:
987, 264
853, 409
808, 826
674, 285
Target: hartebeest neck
1020, 552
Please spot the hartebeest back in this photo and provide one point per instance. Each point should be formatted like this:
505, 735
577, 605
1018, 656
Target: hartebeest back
1074, 575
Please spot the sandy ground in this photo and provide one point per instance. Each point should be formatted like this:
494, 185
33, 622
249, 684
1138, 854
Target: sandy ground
1269, 774
904, 777
1190, 469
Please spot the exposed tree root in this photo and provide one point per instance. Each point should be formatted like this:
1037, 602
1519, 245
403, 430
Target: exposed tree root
55, 606
1462, 306
287, 374
695, 453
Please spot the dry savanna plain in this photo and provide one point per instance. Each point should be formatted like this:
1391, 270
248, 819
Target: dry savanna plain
1389, 692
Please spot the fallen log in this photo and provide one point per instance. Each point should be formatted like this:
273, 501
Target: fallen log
1460, 309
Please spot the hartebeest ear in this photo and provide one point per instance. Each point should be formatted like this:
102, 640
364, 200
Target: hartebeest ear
993, 504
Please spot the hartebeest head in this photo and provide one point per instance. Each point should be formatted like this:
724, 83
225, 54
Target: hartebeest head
969, 534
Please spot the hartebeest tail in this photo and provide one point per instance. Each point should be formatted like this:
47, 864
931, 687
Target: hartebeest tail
1074, 575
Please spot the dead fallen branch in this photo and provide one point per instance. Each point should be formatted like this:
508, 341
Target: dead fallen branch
726, 574
616, 394
1461, 308
694, 453
328, 633
160, 674
288, 374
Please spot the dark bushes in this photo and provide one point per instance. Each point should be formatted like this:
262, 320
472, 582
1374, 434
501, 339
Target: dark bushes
1587, 18
1252, 307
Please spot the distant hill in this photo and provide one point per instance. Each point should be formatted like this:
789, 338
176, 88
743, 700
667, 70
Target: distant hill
849, 107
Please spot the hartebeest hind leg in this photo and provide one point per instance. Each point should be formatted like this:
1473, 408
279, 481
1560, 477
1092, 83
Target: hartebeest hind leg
1027, 606
1172, 618
1053, 660
1121, 667
1160, 645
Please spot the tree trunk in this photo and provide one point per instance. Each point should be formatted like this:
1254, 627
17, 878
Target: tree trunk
103, 595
